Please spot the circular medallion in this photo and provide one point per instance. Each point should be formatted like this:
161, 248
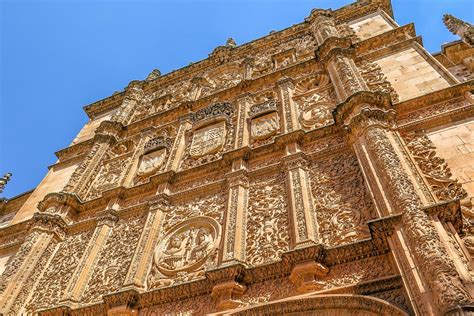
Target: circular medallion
187, 245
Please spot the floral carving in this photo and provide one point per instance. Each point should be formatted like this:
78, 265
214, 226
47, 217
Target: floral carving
53, 283
111, 268
267, 234
376, 80
109, 176
434, 169
342, 203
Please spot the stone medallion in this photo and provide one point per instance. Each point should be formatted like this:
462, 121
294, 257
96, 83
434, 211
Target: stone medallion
152, 161
187, 246
265, 126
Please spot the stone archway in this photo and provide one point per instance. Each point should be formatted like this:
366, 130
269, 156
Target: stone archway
323, 305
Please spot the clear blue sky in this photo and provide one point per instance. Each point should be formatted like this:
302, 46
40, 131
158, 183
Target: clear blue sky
58, 56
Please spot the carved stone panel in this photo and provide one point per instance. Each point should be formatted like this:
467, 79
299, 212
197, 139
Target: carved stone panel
341, 200
314, 99
268, 224
54, 281
188, 241
109, 273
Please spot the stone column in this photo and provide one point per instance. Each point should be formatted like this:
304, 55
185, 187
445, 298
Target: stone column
433, 282
242, 129
337, 54
143, 256
179, 144
302, 213
290, 116
38, 249
89, 259
235, 231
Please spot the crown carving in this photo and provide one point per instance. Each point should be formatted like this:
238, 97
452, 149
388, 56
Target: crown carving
157, 143
217, 110
262, 108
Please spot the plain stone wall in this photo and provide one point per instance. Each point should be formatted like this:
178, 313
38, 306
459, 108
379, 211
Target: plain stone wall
411, 74
371, 26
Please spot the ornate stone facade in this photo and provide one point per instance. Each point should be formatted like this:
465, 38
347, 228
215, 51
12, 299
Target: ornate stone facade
323, 169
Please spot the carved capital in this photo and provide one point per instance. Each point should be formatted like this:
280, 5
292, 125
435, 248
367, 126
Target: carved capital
62, 203
159, 202
108, 131
238, 177
296, 160
364, 109
333, 47
109, 218
305, 276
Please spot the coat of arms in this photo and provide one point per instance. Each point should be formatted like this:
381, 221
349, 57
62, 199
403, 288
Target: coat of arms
208, 140
265, 126
152, 161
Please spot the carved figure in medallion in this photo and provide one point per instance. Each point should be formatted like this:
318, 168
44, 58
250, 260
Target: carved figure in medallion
187, 246
208, 140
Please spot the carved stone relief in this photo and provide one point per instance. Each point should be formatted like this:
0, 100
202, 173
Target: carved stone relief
267, 224
434, 168
212, 134
109, 273
187, 246
110, 176
154, 155
54, 281
376, 80
313, 97
200, 305
264, 122
342, 203
188, 240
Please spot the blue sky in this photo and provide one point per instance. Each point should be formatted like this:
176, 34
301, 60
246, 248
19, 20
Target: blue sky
58, 56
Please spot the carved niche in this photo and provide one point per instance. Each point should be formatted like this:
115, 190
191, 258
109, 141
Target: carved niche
313, 96
264, 122
154, 155
211, 134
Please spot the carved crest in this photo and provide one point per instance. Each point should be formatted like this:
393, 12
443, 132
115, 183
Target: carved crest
187, 246
155, 151
208, 140
265, 120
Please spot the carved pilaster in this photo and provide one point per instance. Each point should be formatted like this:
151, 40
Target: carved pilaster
290, 115
179, 144
143, 255
133, 95
369, 121
336, 53
85, 267
45, 233
302, 213
242, 129
235, 236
